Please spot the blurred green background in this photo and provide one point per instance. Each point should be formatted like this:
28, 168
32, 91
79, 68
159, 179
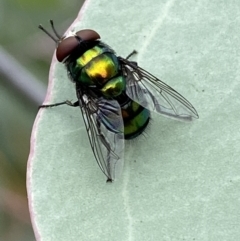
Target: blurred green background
25, 53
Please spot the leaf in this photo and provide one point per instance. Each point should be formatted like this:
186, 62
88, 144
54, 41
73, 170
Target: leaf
180, 181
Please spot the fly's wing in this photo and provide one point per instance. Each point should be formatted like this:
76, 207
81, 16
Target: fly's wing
154, 94
105, 129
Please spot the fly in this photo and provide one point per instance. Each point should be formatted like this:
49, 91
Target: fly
114, 94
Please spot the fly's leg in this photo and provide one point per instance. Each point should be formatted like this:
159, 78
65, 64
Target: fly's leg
67, 102
131, 54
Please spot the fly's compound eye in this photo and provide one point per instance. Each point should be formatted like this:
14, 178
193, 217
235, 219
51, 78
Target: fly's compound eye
67, 45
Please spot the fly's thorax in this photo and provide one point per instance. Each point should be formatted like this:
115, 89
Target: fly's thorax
98, 66
100, 69
92, 65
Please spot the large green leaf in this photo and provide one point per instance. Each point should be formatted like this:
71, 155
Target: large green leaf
181, 181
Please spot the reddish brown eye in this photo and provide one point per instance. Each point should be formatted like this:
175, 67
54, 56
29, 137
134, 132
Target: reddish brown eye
67, 45
88, 34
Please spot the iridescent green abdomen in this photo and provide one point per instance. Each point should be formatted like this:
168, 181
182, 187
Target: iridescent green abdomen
135, 118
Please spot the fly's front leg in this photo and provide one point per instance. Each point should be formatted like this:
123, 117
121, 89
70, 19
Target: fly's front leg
67, 102
131, 54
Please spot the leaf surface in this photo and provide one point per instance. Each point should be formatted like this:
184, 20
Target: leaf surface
180, 181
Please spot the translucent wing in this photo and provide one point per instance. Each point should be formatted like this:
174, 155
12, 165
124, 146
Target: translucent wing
154, 94
104, 124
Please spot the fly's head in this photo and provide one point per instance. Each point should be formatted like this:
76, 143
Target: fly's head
66, 45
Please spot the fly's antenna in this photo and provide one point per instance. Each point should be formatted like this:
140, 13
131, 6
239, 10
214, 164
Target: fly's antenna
56, 40
54, 30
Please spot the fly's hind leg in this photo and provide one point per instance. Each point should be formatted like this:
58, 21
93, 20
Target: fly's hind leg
67, 102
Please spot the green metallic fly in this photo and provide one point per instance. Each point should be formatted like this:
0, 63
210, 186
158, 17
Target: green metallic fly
115, 96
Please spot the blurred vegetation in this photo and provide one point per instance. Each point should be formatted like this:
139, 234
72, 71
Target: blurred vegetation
21, 38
